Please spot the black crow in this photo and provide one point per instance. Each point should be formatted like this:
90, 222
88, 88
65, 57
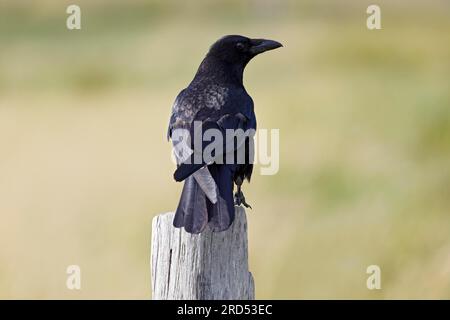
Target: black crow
216, 98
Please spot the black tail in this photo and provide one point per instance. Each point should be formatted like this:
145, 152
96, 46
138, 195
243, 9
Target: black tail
195, 211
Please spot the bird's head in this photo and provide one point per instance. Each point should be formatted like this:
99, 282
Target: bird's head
240, 50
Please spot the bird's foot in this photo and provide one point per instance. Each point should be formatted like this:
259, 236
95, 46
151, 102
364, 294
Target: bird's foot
239, 199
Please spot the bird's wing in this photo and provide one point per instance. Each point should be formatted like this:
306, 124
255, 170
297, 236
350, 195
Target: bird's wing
222, 123
188, 115
206, 183
180, 117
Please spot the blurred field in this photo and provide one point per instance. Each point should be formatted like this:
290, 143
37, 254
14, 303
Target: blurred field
364, 119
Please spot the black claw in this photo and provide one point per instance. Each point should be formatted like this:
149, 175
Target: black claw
247, 205
239, 199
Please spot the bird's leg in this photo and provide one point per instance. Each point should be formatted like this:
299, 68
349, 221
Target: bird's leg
239, 196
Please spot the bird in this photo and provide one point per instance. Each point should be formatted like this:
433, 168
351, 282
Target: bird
215, 99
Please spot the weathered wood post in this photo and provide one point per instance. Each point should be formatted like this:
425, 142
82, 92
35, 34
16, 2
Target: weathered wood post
206, 266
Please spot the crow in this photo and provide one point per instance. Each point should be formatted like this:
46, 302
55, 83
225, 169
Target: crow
215, 99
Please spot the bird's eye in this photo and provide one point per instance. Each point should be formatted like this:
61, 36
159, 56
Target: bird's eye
240, 46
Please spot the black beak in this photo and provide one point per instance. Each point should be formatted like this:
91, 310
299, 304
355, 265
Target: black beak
263, 45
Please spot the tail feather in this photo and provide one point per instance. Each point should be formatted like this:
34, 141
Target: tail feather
221, 214
192, 213
195, 210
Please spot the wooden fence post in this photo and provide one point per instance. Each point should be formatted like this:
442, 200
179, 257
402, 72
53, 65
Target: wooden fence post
205, 266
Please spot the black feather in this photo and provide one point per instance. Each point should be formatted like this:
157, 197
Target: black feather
217, 98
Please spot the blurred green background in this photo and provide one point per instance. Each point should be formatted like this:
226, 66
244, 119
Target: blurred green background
364, 119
